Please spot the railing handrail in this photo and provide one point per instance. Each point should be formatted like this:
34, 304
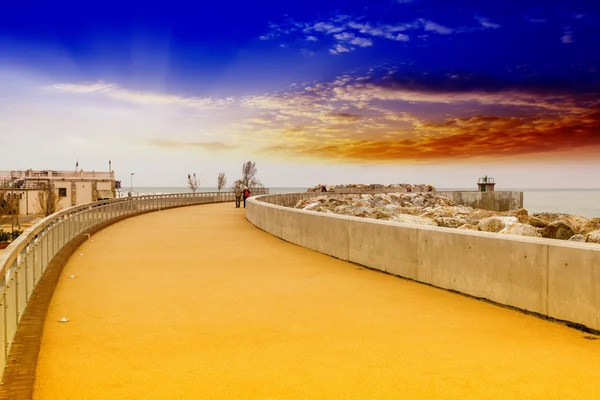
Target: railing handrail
12, 251
25, 261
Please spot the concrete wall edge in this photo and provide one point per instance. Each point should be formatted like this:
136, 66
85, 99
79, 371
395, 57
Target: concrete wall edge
528, 276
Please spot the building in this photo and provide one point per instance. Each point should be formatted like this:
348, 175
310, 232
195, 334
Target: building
72, 187
485, 184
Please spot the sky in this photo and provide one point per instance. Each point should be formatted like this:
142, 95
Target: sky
366, 91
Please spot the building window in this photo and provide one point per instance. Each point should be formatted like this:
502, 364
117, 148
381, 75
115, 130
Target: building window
62, 192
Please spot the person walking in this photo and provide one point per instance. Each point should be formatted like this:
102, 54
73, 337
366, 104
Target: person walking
238, 196
247, 194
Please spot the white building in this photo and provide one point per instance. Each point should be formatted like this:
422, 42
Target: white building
72, 187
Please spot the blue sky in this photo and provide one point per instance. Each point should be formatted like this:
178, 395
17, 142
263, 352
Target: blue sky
313, 91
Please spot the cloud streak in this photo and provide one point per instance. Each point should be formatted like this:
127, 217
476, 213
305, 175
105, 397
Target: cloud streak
174, 144
139, 97
434, 27
485, 22
567, 37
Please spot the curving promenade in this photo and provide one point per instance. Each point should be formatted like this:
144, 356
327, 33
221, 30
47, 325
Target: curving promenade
197, 303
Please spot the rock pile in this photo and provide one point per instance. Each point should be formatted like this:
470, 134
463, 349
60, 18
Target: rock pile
431, 209
401, 187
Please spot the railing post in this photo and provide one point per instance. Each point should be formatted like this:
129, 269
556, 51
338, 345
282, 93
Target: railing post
5, 333
48, 245
46, 250
54, 240
16, 278
33, 261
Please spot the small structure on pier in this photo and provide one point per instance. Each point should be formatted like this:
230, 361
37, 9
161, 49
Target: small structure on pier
485, 184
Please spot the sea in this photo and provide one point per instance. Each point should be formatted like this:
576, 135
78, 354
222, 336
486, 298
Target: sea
584, 202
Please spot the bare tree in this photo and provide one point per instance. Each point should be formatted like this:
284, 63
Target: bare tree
221, 181
255, 183
9, 208
193, 183
47, 201
237, 182
4, 205
249, 172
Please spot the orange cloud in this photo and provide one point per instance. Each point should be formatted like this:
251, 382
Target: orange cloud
389, 115
478, 137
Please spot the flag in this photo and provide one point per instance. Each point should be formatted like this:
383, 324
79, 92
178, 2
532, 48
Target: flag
77, 164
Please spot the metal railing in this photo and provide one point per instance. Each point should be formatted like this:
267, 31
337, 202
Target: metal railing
486, 179
24, 261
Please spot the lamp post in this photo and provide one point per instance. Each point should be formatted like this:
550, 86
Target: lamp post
131, 184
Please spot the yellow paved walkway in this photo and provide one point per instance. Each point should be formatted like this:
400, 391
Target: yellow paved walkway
196, 303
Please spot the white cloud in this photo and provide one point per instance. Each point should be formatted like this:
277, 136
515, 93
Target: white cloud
350, 38
402, 37
340, 49
325, 27
138, 97
568, 37
362, 42
312, 39
344, 36
82, 88
385, 31
434, 27
487, 23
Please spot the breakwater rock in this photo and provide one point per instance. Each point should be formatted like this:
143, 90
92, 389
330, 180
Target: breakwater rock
400, 187
431, 209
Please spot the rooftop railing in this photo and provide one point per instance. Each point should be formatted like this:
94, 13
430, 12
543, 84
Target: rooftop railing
50, 174
485, 180
24, 262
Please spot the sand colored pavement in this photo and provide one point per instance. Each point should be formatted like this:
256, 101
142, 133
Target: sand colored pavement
196, 303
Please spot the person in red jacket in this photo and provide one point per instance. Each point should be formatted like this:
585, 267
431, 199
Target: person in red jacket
246, 194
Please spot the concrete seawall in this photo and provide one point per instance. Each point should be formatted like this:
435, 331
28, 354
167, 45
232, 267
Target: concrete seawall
491, 201
557, 279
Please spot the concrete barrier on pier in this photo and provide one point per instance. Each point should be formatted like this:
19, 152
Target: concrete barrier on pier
549, 277
491, 201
